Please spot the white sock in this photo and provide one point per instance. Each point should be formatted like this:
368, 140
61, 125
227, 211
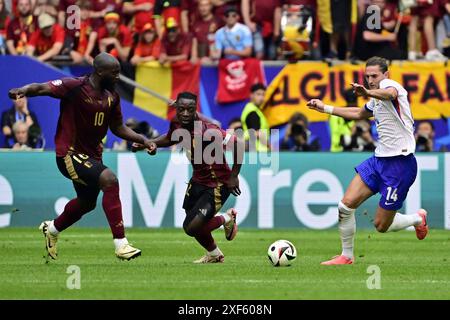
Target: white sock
52, 229
403, 221
347, 229
215, 252
227, 217
120, 242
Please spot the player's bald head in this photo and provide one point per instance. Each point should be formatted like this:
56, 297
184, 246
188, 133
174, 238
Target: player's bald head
107, 69
105, 61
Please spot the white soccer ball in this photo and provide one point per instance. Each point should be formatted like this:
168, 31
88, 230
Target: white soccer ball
281, 253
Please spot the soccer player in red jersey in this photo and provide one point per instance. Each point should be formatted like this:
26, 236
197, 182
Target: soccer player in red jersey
212, 180
89, 106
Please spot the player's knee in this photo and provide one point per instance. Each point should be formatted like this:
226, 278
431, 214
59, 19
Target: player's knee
381, 227
108, 179
190, 230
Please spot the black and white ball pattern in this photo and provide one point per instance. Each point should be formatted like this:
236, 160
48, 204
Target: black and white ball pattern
281, 253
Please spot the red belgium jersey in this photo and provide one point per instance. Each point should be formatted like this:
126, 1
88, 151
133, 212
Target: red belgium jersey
210, 175
85, 116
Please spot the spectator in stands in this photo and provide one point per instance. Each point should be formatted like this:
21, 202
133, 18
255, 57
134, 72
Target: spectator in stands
68, 20
115, 38
362, 7
298, 137
264, 20
220, 6
81, 43
254, 123
20, 132
425, 136
428, 14
373, 40
4, 21
341, 19
175, 46
62, 11
165, 10
361, 139
46, 6
141, 12
101, 8
446, 40
48, 41
18, 112
203, 30
149, 46
190, 14
234, 40
340, 128
20, 28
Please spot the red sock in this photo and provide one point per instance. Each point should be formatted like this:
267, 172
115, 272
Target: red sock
214, 223
113, 210
206, 240
72, 213
204, 236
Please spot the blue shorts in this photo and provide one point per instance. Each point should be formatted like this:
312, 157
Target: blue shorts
390, 176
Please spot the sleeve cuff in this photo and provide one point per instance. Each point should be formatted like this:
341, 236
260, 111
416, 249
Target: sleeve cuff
367, 108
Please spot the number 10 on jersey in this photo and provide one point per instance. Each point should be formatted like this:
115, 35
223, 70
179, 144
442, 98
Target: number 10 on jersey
99, 117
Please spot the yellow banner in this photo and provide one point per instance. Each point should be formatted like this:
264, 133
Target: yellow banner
152, 75
428, 86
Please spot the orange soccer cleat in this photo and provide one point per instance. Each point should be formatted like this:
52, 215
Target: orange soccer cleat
231, 227
422, 229
337, 260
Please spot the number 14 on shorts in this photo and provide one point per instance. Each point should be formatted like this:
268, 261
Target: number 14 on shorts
391, 195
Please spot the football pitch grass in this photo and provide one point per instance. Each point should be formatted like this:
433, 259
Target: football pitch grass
410, 269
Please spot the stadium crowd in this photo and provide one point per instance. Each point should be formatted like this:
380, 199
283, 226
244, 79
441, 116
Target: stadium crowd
204, 31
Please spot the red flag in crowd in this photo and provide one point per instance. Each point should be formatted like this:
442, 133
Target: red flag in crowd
236, 77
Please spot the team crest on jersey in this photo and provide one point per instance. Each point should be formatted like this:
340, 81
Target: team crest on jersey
56, 83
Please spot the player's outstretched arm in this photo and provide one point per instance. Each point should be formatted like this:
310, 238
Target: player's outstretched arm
31, 90
348, 113
127, 134
164, 141
160, 142
389, 93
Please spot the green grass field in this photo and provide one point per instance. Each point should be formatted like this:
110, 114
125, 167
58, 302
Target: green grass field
410, 269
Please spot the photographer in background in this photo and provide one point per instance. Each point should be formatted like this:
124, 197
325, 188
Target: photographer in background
361, 138
142, 128
297, 136
424, 136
